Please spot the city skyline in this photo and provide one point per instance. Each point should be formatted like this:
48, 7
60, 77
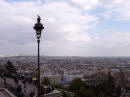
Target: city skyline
72, 27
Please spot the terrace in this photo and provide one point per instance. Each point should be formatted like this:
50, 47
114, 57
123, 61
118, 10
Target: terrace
5, 93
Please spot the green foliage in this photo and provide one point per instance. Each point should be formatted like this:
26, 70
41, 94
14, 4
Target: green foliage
46, 81
110, 86
65, 94
76, 85
10, 67
105, 89
58, 86
122, 78
101, 94
83, 92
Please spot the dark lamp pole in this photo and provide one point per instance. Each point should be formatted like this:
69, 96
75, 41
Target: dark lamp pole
38, 27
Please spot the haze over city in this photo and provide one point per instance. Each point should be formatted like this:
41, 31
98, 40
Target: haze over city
72, 27
64, 48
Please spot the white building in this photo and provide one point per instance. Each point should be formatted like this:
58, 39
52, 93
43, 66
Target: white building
69, 75
54, 78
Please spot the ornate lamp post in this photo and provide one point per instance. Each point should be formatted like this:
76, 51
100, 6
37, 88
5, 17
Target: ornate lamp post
38, 27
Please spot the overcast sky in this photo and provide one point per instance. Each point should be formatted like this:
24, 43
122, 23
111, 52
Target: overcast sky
72, 27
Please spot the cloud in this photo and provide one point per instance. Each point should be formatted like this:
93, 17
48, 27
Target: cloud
116, 9
66, 21
110, 3
64, 25
70, 29
85, 4
112, 44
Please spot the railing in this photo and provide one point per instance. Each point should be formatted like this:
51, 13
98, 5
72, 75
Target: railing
12, 89
55, 93
7, 92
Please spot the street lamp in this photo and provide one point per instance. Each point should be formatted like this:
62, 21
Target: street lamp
38, 27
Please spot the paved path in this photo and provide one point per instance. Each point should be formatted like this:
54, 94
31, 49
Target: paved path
29, 87
2, 94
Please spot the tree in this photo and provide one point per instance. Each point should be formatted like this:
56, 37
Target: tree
65, 94
76, 85
10, 67
102, 94
84, 92
104, 89
110, 86
46, 81
58, 86
122, 79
